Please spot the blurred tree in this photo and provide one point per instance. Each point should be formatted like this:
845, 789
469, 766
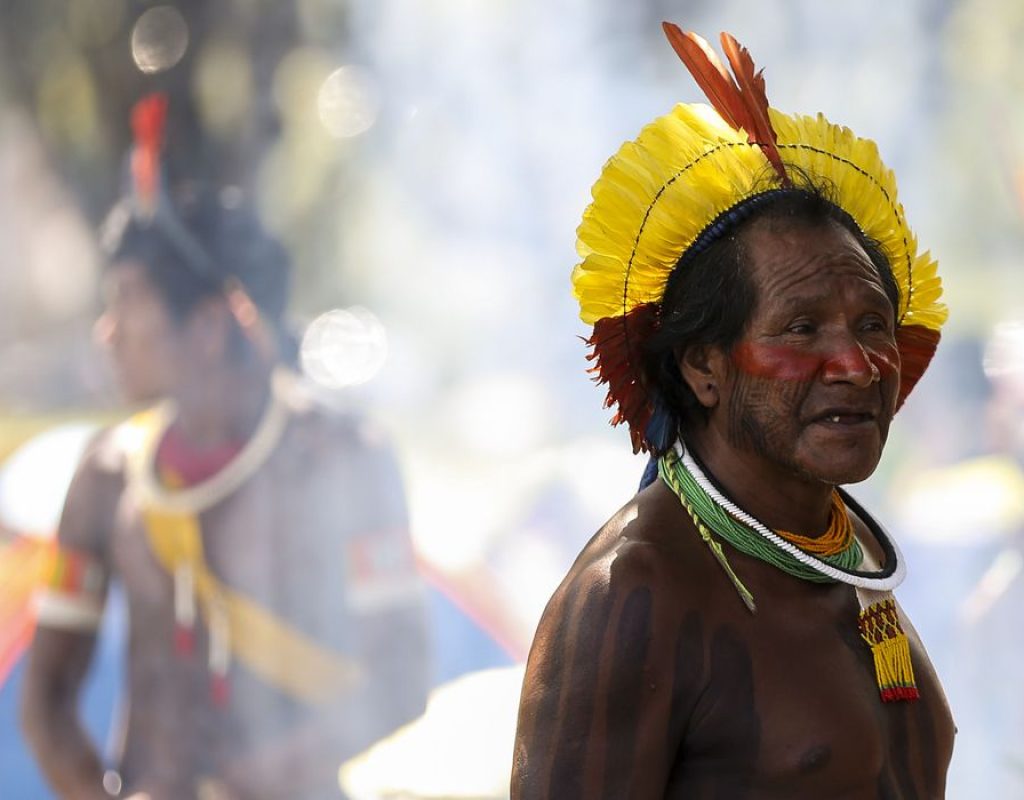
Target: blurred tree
258, 100
78, 66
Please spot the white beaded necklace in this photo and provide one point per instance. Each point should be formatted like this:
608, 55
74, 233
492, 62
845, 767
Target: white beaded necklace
197, 498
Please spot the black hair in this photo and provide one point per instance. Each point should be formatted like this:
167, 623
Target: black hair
192, 247
710, 296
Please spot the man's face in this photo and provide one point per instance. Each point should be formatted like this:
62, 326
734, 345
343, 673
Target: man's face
145, 344
811, 386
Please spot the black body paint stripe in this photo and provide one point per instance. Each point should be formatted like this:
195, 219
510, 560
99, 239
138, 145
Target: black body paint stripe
551, 675
628, 686
688, 675
570, 750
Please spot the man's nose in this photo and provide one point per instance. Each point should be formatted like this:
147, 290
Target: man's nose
849, 362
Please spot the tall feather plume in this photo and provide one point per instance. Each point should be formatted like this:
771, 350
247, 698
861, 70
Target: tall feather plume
741, 102
709, 72
756, 100
149, 118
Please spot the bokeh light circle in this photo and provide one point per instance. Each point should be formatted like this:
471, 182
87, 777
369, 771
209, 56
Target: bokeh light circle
159, 39
347, 102
344, 347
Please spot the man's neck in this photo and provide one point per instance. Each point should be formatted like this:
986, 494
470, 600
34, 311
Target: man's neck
781, 499
223, 406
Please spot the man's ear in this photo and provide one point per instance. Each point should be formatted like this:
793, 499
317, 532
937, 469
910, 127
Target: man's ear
703, 369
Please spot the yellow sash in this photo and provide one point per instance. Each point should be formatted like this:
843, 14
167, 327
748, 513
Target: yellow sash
269, 647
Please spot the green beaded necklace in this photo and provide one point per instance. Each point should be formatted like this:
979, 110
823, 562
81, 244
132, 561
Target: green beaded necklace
707, 514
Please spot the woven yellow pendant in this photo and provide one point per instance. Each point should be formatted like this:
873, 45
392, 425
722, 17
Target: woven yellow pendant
880, 627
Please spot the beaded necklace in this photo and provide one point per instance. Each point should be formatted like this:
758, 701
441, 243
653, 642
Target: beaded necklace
745, 539
171, 518
878, 622
837, 538
885, 579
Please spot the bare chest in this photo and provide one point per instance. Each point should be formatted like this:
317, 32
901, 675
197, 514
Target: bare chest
260, 542
792, 709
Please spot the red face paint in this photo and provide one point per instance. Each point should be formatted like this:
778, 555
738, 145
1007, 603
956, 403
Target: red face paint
787, 363
887, 360
776, 361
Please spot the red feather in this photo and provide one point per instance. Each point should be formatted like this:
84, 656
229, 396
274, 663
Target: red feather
740, 101
756, 101
616, 343
709, 72
149, 118
916, 345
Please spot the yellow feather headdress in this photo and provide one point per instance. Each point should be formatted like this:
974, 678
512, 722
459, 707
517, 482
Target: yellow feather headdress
660, 192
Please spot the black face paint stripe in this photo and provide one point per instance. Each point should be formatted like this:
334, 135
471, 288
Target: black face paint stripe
745, 430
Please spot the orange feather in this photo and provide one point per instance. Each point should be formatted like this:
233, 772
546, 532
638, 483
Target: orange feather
709, 72
740, 101
755, 99
149, 119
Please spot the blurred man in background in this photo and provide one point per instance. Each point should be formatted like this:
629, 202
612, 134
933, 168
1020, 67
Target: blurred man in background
276, 620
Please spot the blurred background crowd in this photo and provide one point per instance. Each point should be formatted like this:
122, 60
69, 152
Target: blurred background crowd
426, 164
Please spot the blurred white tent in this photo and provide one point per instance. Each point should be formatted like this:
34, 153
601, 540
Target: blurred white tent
35, 478
460, 749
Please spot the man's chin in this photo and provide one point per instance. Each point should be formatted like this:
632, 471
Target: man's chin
839, 473
840, 460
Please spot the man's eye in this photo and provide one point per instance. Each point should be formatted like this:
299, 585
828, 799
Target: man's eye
800, 328
875, 324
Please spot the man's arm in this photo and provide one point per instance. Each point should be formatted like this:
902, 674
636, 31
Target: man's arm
596, 716
57, 665
68, 615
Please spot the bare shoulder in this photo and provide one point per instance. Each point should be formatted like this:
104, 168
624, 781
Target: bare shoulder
104, 455
650, 541
644, 570
96, 488
607, 683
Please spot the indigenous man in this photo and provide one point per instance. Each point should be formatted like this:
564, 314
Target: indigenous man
760, 311
276, 625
